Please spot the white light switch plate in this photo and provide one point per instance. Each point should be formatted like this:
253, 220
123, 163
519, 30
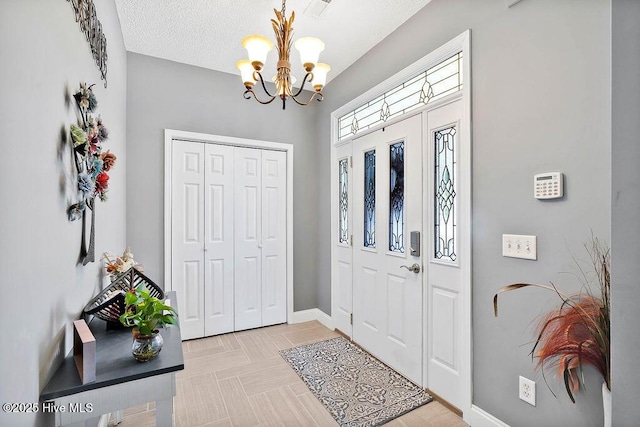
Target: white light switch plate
519, 246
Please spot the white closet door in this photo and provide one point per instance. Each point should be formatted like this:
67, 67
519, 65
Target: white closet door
248, 235
218, 238
274, 237
187, 227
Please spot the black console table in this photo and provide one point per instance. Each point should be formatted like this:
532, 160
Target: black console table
121, 381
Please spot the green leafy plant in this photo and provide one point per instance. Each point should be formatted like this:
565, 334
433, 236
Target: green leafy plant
146, 312
577, 332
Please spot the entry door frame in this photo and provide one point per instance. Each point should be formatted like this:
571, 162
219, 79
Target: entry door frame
461, 43
172, 134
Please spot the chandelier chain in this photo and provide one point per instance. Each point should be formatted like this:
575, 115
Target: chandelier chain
284, 6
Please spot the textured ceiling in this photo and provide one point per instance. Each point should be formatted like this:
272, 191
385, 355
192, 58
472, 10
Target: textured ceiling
207, 33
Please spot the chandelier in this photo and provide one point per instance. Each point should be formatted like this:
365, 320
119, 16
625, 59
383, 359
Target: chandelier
258, 47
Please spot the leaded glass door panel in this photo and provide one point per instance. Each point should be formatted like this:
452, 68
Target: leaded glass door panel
387, 206
444, 286
343, 201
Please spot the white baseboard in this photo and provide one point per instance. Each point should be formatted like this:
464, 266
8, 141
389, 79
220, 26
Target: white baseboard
313, 314
325, 319
478, 417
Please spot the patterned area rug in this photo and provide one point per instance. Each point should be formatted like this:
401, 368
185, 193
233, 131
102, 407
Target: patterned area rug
357, 389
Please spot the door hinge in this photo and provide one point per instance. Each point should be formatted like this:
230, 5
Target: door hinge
351, 240
351, 319
350, 161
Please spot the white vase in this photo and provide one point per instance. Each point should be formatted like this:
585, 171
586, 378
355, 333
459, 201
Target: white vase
606, 403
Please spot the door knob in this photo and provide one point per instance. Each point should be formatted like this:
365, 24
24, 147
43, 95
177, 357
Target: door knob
415, 267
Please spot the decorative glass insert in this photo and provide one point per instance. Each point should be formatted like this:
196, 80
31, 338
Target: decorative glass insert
343, 196
444, 183
370, 199
438, 81
396, 197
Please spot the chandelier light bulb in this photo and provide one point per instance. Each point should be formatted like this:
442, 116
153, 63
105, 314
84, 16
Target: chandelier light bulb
309, 48
246, 71
320, 76
281, 87
257, 47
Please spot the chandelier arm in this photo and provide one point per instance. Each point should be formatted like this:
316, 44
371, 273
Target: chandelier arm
247, 95
307, 77
263, 85
318, 94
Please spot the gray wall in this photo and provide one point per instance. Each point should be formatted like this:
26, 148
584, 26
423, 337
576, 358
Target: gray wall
44, 57
540, 103
163, 94
625, 205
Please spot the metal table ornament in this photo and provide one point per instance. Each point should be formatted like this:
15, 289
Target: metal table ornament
109, 304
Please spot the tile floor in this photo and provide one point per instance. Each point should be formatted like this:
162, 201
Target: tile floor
240, 379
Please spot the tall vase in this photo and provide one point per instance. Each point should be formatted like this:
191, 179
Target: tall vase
606, 403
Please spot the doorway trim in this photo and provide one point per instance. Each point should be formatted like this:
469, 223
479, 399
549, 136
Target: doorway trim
169, 136
461, 43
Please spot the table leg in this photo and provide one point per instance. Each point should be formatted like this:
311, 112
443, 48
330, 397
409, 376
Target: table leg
92, 422
117, 417
164, 412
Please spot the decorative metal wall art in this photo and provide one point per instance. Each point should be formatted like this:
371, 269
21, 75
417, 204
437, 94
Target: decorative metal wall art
92, 165
92, 29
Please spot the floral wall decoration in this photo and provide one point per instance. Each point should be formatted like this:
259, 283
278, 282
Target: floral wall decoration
92, 164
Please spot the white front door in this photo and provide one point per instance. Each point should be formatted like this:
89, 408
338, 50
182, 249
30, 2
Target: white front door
387, 207
446, 195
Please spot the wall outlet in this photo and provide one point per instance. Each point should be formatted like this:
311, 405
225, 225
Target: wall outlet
527, 391
518, 246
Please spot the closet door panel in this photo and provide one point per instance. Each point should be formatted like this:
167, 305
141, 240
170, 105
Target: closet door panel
274, 237
219, 238
187, 230
248, 238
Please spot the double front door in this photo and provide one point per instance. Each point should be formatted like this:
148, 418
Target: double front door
396, 259
228, 229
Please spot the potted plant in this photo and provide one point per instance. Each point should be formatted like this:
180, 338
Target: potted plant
577, 332
146, 313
